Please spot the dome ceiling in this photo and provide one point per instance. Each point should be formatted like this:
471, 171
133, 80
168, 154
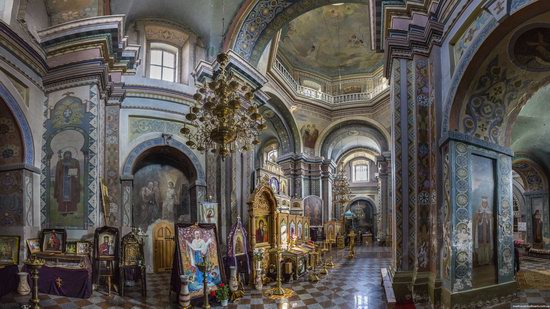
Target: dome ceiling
331, 40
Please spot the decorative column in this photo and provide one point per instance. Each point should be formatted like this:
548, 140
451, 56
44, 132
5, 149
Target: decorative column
127, 184
382, 198
412, 146
328, 168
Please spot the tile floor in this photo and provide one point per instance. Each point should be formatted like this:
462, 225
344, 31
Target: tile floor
351, 284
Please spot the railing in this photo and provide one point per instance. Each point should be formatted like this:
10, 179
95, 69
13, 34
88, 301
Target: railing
311, 93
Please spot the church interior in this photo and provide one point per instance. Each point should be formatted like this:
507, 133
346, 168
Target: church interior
274, 154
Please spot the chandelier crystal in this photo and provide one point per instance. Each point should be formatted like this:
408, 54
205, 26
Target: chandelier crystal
225, 116
341, 192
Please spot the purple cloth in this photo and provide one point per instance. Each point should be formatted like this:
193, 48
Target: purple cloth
64, 282
9, 280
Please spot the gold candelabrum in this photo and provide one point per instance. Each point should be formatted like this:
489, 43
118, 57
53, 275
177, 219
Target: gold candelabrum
313, 277
205, 267
351, 245
330, 262
278, 290
34, 264
323, 264
225, 116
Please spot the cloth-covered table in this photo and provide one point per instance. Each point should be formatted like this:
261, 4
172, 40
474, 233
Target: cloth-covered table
9, 279
65, 281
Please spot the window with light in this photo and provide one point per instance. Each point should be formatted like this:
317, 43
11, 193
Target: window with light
360, 172
163, 62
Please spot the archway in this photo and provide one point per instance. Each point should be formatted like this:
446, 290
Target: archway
483, 104
11, 154
364, 216
161, 180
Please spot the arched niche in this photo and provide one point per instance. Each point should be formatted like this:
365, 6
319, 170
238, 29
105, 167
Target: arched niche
11, 173
287, 128
168, 161
23, 127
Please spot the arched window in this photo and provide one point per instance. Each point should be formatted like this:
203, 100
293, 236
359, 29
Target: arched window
272, 155
163, 62
360, 171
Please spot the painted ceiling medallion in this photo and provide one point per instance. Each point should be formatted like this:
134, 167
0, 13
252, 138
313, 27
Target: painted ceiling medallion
530, 50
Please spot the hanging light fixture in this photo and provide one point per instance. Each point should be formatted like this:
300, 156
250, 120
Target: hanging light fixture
341, 191
225, 116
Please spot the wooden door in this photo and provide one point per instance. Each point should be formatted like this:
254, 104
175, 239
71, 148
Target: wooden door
163, 246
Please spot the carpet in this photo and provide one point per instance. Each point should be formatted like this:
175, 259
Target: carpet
534, 279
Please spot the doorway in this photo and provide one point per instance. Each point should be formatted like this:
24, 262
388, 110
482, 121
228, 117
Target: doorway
163, 246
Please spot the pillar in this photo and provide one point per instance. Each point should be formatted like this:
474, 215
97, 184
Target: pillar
328, 168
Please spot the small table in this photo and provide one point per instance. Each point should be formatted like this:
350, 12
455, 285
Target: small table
57, 277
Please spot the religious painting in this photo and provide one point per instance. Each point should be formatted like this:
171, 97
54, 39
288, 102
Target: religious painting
284, 233
70, 247
330, 232
132, 250
208, 212
106, 247
238, 242
274, 184
292, 229
284, 187
67, 178
531, 49
309, 135
33, 244
197, 244
157, 194
536, 205
313, 209
300, 230
9, 250
53, 240
262, 229
83, 247
306, 231
483, 223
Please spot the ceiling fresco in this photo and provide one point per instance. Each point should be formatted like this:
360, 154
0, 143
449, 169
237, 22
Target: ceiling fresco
331, 40
532, 128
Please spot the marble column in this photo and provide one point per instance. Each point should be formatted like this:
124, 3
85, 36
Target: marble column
328, 169
383, 198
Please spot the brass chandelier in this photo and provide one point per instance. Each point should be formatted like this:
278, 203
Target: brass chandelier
225, 117
341, 192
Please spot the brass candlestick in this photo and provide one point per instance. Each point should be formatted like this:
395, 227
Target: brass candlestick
34, 264
278, 291
351, 245
324, 269
313, 274
330, 263
205, 266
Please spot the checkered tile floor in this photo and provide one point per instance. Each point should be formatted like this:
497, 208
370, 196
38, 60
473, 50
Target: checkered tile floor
351, 284
533, 298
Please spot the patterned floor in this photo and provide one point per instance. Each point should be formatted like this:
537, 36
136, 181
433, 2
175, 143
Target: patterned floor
533, 298
351, 284
335, 290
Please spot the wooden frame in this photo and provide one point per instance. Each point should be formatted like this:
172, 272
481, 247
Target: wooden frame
70, 247
33, 245
184, 248
283, 233
105, 201
83, 247
132, 251
105, 250
53, 247
8, 254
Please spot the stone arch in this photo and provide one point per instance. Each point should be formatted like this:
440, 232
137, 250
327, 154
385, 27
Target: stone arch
488, 88
371, 137
287, 119
370, 203
533, 176
137, 152
258, 23
22, 123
